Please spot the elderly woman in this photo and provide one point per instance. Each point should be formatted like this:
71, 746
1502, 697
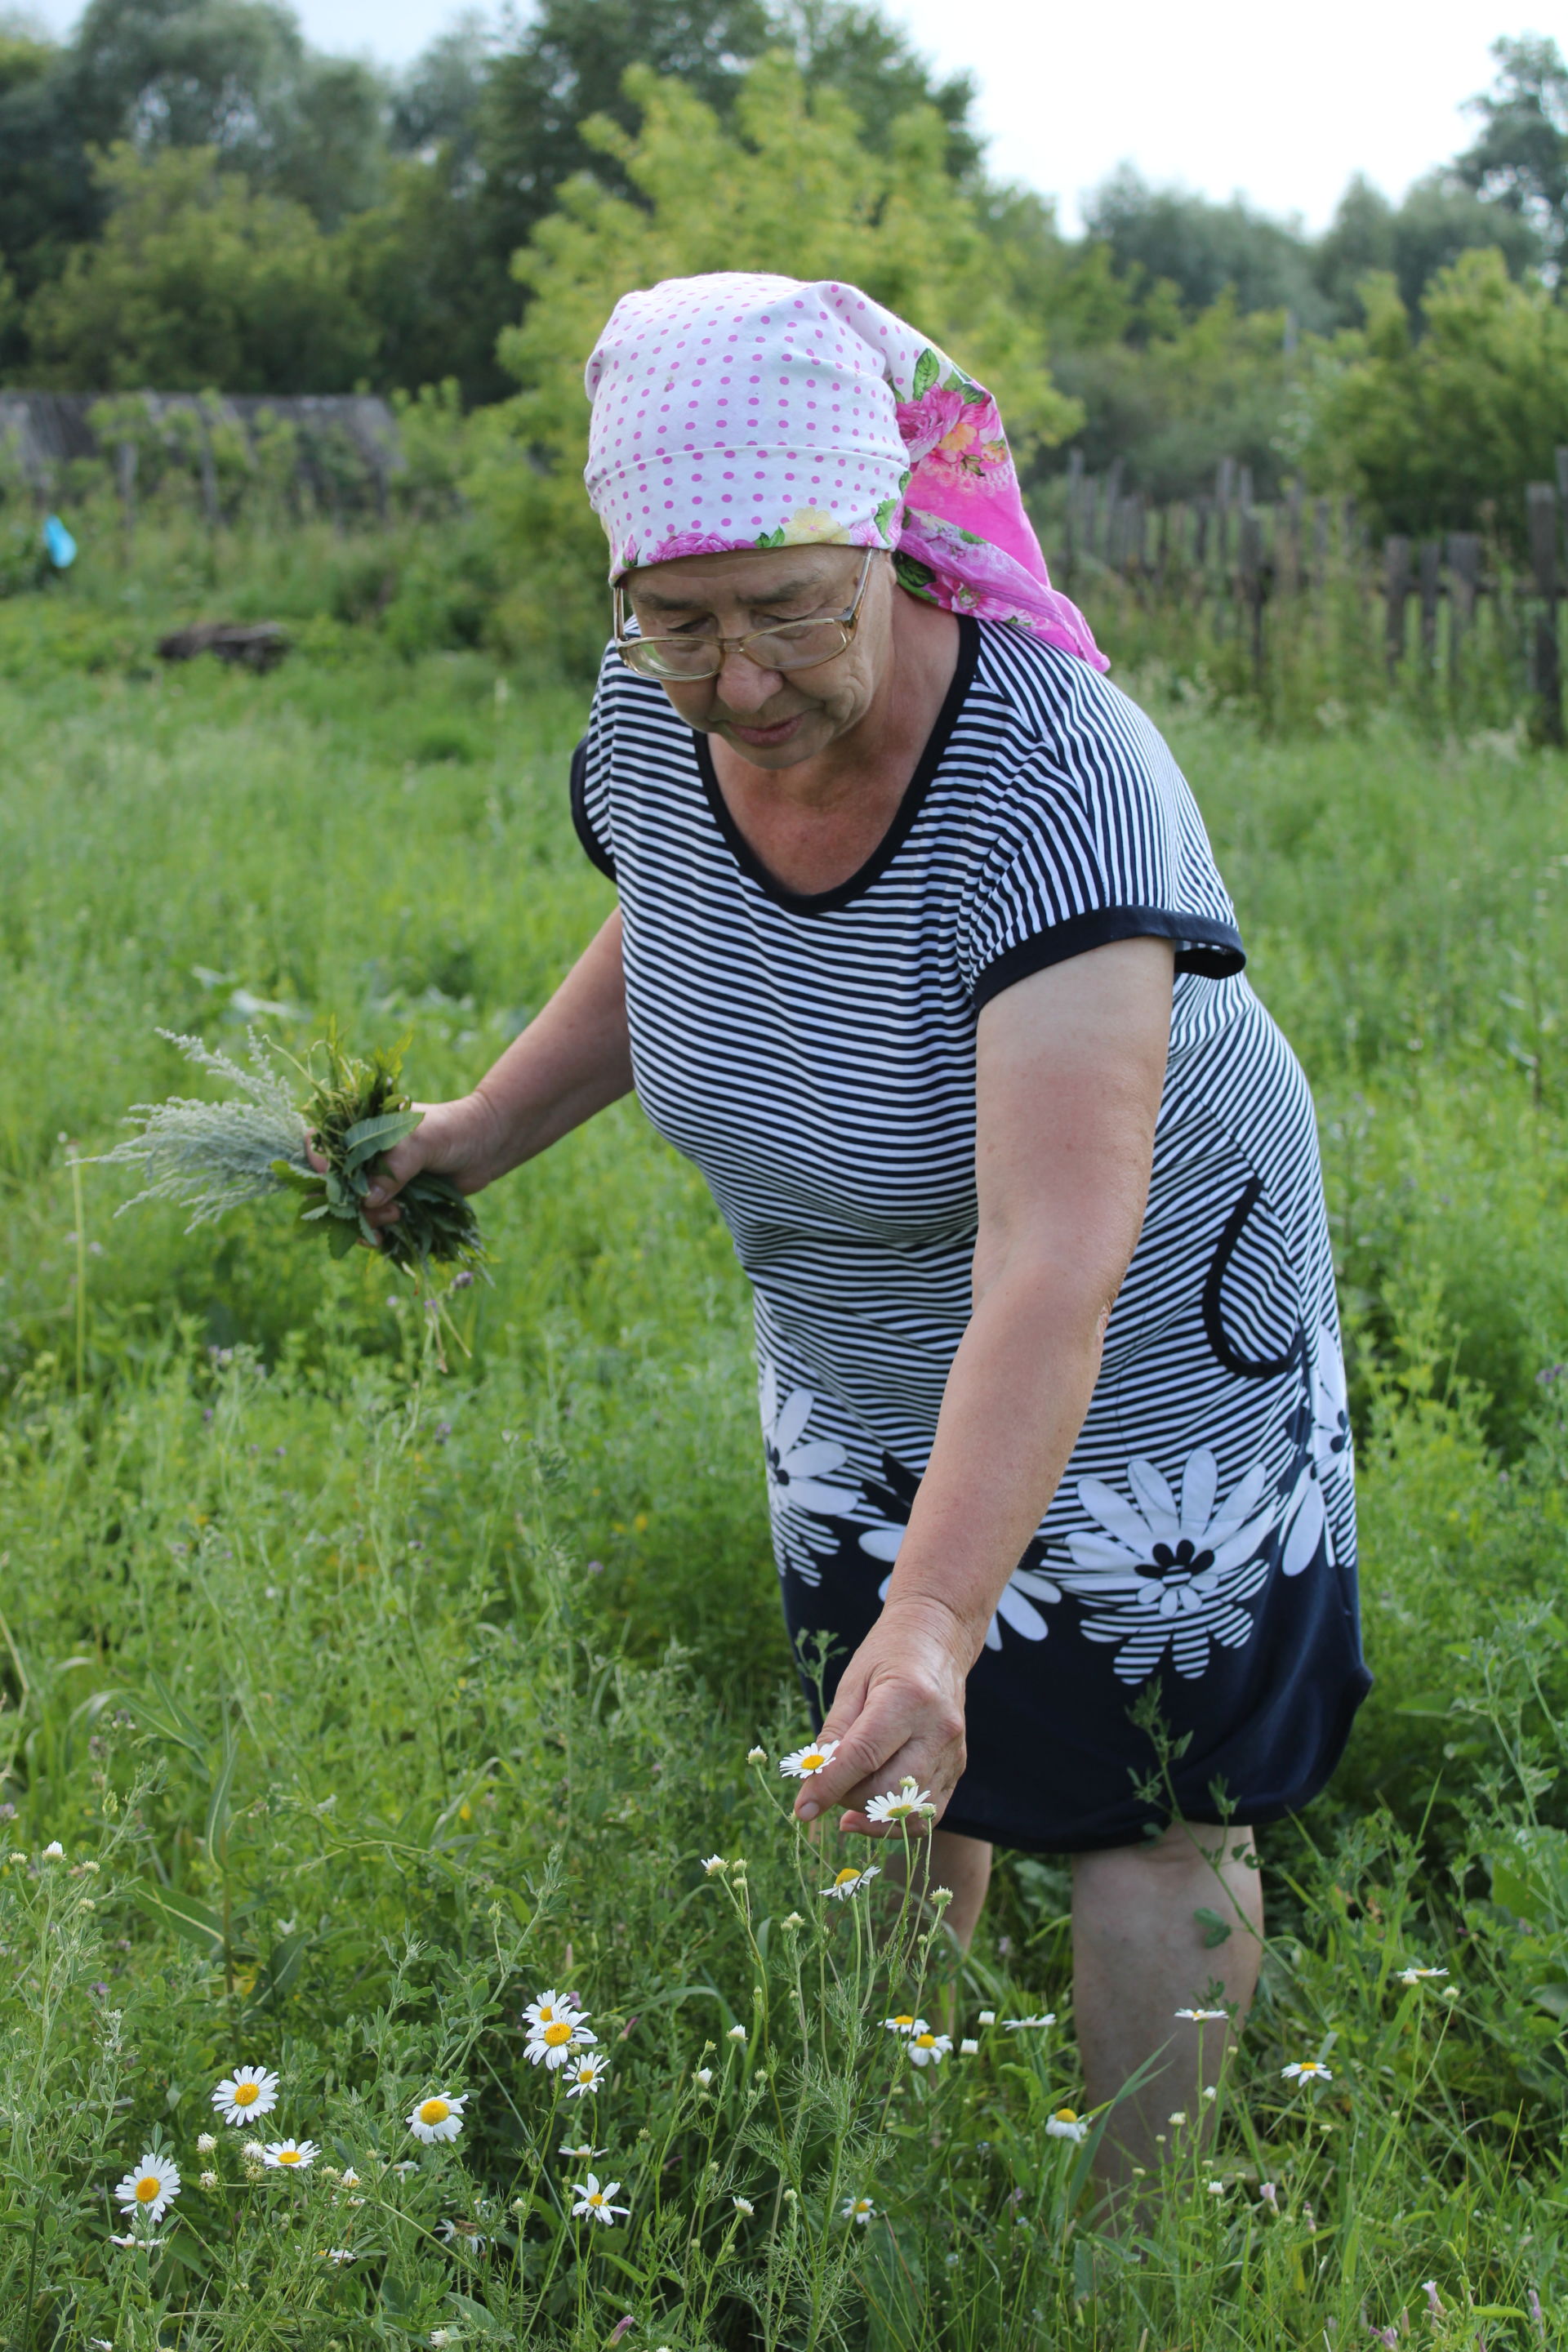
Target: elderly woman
922, 955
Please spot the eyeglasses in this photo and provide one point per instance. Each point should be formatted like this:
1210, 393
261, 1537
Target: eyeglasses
787, 645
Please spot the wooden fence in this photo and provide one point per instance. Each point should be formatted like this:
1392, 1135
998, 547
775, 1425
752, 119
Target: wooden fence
1250, 570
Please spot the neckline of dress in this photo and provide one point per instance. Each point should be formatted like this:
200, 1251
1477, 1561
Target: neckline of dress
820, 902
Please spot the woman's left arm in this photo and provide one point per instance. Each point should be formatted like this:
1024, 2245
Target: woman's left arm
1071, 1063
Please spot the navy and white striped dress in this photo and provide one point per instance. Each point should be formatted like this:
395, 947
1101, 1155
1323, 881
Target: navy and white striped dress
814, 1055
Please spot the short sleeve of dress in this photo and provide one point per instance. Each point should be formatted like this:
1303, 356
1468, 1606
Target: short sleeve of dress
590, 788
1087, 832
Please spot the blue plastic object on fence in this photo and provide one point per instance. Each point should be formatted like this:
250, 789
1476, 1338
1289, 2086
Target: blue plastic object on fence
58, 544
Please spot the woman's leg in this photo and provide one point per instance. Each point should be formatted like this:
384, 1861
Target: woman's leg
1139, 1955
962, 1864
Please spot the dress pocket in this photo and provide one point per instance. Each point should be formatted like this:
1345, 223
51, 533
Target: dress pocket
1251, 1301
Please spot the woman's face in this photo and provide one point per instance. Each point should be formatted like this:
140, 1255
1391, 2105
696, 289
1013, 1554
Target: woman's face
773, 718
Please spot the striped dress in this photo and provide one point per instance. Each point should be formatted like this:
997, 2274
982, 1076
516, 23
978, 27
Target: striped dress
1193, 1581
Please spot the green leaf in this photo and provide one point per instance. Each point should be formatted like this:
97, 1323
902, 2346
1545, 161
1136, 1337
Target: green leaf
342, 1238
1215, 1929
217, 1803
483, 2322
184, 1915
927, 368
368, 1137
301, 1180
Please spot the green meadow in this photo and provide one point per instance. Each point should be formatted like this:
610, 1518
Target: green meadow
368, 1699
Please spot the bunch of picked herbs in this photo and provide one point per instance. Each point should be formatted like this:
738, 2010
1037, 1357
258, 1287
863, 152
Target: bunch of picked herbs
212, 1157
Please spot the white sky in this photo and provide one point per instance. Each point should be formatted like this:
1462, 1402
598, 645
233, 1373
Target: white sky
1281, 104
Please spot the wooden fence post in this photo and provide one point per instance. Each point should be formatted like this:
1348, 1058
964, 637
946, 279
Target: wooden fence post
1464, 581
1396, 592
1546, 664
1252, 583
1428, 566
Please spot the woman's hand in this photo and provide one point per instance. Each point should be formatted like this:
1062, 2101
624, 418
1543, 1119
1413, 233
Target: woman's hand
460, 1139
899, 1711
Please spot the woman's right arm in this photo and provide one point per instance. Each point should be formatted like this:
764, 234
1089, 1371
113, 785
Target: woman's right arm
569, 1062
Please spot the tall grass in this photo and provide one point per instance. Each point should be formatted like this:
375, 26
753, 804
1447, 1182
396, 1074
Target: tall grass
384, 1701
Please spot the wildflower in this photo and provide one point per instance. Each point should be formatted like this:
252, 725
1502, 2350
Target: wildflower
149, 2189
905, 2023
54, 1851
249, 2092
1307, 2070
815, 1757
1065, 2124
703, 2075
928, 2049
1206, 2016
899, 1804
461, 2233
756, 1755
1023, 2024
988, 2017
593, 2202
1179, 2116
549, 2009
440, 2336
1269, 2194
206, 2143
406, 2168
736, 2034
850, 1881
1450, 1992
744, 2205
585, 2075
1216, 2188
440, 2117
348, 2177
968, 2048
554, 2042
253, 2151
794, 1920
714, 1865
856, 2208
130, 2239
287, 2155
1417, 1976
1429, 2289
209, 2180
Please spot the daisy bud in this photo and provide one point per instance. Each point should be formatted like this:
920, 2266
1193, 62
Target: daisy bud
744, 2205
756, 1755
206, 2143
736, 2034
54, 1851
703, 2075
794, 1920
969, 2049
988, 2017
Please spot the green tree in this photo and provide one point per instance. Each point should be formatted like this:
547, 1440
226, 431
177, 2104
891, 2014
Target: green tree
195, 281
791, 184
1424, 429
47, 198
1203, 250
1439, 218
1518, 161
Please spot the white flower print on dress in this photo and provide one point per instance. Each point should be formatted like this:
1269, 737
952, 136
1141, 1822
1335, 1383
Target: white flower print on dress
1165, 1576
1306, 1520
797, 1473
1015, 1608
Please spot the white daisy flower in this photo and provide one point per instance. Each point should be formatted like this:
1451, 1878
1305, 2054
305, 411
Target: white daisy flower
583, 2153
249, 2092
1067, 2124
1206, 2016
714, 1865
54, 1851
349, 2178
849, 1881
988, 2017
440, 2117
130, 2239
1419, 1976
744, 2205
900, 1804
290, 2155
407, 2166
554, 2044
461, 2233
968, 2048
736, 2034
905, 2023
550, 2009
585, 2075
1307, 2070
147, 2190
928, 2049
813, 1758
756, 1755
1023, 2024
337, 2253
856, 2208
593, 2202
702, 2076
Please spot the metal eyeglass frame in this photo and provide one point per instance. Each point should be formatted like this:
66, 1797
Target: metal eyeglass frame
847, 622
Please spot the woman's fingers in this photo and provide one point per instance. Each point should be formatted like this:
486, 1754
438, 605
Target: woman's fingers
897, 1735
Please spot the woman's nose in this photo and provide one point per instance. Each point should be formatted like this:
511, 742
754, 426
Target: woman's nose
742, 686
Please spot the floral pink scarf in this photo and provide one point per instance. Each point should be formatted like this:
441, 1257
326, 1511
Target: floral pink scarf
734, 411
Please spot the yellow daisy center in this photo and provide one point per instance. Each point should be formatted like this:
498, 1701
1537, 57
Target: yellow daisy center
287, 2156
813, 1760
1067, 2115
904, 2018
586, 2071
846, 1877
555, 2034
925, 2042
147, 2188
434, 2111
597, 2198
243, 2093
545, 2012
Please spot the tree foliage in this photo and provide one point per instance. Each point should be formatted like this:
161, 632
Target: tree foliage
1520, 158
790, 185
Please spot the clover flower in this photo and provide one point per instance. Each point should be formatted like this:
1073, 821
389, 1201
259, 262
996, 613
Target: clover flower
149, 2188
585, 2075
928, 2049
440, 2117
856, 2208
209, 2180
206, 2143
249, 2092
290, 2155
593, 2202
1307, 2070
1065, 2124
813, 1758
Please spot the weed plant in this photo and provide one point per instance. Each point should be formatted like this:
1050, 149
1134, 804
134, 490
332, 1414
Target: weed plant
369, 1705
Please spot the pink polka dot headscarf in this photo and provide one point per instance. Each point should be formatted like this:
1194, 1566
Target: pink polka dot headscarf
735, 412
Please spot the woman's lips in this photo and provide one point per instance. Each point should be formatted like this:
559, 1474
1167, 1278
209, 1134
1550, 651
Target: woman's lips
779, 732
